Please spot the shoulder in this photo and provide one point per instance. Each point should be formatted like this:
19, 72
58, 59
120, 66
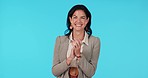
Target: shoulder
94, 39
62, 38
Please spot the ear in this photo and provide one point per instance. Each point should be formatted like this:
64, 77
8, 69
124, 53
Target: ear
70, 19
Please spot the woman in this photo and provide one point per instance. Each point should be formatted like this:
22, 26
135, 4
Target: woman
76, 54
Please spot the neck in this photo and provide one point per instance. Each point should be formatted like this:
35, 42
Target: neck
78, 35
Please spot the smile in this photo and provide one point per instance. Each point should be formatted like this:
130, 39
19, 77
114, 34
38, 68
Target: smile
78, 25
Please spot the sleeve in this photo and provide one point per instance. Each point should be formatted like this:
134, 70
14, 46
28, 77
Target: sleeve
89, 67
58, 67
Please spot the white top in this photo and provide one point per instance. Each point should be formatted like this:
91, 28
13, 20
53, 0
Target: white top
84, 41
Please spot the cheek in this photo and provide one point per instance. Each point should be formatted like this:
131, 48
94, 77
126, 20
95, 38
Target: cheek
85, 22
74, 20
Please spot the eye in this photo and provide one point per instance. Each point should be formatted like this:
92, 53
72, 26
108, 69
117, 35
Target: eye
74, 17
83, 17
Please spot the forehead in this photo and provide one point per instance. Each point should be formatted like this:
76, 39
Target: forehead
79, 13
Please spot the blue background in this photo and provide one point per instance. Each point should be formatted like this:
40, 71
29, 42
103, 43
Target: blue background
28, 29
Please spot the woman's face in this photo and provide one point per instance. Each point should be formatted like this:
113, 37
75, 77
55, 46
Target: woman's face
79, 20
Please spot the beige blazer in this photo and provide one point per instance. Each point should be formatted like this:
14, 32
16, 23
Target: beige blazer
86, 65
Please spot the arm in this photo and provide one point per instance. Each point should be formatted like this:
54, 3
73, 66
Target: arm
89, 67
58, 67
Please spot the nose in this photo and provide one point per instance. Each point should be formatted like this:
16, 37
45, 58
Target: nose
78, 20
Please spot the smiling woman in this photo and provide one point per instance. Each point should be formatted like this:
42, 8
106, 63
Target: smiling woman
76, 54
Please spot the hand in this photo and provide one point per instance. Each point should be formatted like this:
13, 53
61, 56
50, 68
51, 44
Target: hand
75, 51
76, 47
71, 57
72, 54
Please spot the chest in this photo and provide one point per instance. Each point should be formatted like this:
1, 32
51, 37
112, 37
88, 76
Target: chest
87, 51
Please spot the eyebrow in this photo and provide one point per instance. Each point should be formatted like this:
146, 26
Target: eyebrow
81, 16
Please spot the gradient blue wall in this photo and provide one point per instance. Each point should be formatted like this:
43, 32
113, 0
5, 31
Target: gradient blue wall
28, 29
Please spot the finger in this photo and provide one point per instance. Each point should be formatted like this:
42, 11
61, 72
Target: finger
73, 43
78, 43
77, 49
73, 51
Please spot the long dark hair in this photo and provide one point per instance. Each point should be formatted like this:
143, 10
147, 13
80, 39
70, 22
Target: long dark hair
70, 13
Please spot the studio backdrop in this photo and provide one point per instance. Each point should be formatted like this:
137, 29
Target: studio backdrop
28, 30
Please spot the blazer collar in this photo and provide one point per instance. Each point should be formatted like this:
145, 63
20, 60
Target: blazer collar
84, 41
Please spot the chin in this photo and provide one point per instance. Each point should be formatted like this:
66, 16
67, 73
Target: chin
79, 29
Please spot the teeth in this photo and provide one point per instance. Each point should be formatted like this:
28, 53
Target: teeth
78, 25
